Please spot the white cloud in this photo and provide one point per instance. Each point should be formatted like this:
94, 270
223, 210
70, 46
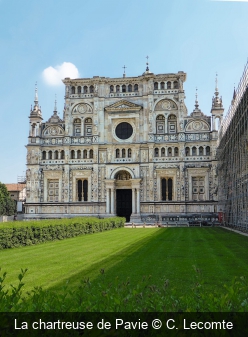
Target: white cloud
54, 75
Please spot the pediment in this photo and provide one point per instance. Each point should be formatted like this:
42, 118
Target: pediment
82, 108
123, 105
166, 104
197, 125
53, 130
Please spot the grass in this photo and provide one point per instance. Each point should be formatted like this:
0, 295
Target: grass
162, 253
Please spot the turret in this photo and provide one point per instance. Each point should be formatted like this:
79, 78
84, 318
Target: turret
217, 107
35, 117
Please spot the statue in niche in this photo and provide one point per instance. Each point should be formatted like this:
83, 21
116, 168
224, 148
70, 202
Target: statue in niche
123, 175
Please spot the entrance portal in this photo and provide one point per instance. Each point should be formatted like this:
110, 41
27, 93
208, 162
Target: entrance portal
124, 203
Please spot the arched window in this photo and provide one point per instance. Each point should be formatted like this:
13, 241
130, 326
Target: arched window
88, 127
117, 153
169, 85
56, 155
78, 154
111, 88
123, 88
194, 151
91, 154
79, 90
160, 123
85, 154
130, 88
187, 151
156, 86
72, 154
175, 85
176, 151
136, 87
77, 127
123, 153
156, 152
91, 89
44, 155
117, 88
62, 154
85, 89
129, 153
162, 85
50, 155
172, 124
208, 151
169, 152
163, 152
200, 151
73, 90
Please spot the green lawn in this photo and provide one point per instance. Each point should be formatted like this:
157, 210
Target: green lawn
163, 253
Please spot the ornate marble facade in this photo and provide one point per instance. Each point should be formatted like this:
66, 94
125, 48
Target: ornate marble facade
125, 146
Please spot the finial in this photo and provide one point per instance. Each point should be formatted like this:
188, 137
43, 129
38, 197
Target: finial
147, 63
36, 94
216, 82
55, 104
124, 74
196, 99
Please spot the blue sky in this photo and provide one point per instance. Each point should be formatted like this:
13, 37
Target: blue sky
199, 37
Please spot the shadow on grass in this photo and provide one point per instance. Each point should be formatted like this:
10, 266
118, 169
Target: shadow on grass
172, 254
166, 254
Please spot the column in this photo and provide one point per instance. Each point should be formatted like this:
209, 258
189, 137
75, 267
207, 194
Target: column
112, 201
166, 125
190, 151
173, 151
133, 201
204, 151
213, 123
138, 200
30, 130
107, 201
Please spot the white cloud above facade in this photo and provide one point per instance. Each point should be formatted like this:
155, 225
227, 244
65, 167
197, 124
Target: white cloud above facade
53, 75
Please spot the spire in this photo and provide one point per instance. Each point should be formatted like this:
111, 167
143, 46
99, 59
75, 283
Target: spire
36, 110
36, 102
216, 84
216, 101
196, 100
55, 104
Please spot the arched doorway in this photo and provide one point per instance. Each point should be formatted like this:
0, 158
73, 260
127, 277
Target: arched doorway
123, 194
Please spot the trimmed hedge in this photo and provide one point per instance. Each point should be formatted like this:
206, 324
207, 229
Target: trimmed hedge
16, 234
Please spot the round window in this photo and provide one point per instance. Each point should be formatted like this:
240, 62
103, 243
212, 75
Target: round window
124, 130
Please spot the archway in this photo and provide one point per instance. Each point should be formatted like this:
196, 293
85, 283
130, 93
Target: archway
123, 194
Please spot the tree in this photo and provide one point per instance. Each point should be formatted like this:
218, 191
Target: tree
7, 205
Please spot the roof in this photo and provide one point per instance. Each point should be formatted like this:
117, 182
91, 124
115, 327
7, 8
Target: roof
15, 187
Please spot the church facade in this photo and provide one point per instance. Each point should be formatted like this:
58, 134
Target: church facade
125, 146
